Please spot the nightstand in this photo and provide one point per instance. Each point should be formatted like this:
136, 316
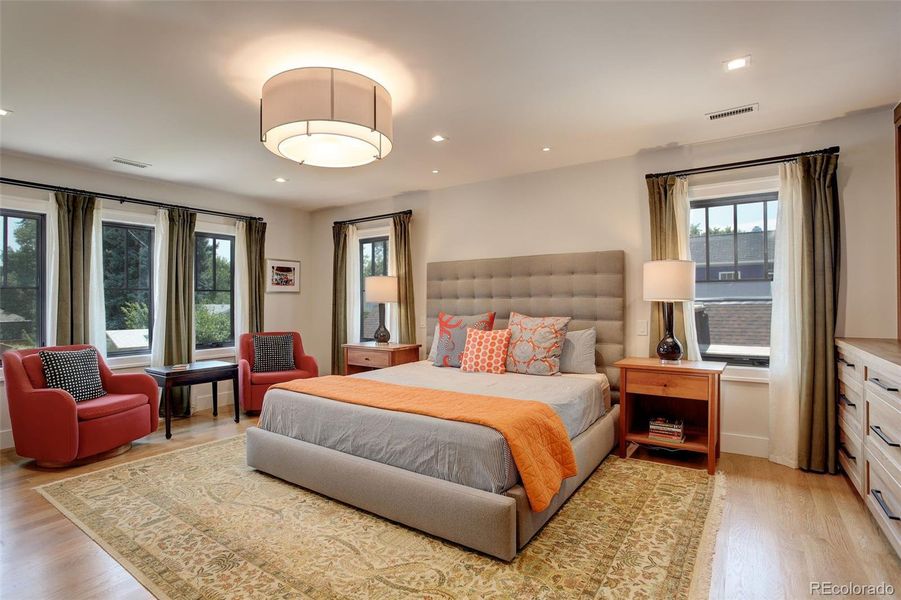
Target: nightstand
687, 390
367, 356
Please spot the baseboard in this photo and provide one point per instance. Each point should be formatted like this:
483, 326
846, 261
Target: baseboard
6, 439
749, 445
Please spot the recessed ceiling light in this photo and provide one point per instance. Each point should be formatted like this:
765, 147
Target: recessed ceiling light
4, 112
280, 180
438, 138
546, 149
434, 171
737, 63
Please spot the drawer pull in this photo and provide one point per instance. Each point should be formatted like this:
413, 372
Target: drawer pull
845, 362
844, 451
845, 400
887, 388
878, 431
366, 358
878, 495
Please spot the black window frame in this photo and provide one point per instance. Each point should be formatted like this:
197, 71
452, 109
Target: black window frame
383, 240
215, 237
734, 201
40, 286
150, 307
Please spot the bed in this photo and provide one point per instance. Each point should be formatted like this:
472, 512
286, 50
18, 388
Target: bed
451, 479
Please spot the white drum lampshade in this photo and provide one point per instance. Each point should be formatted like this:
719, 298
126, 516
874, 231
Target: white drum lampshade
669, 280
381, 289
326, 117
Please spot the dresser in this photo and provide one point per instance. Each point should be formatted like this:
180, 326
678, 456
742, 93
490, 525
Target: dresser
869, 420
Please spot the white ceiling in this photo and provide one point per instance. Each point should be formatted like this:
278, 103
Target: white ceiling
176, 84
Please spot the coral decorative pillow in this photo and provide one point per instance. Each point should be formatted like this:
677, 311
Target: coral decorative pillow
536, 344
452, 336
486, 351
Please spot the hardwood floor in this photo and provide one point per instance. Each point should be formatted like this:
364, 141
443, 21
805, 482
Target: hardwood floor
781, 529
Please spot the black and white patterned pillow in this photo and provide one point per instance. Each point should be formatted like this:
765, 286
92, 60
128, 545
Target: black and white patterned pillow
273, 353
75, 371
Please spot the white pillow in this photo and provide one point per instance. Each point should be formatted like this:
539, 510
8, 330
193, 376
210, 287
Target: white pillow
433, 353
578, 351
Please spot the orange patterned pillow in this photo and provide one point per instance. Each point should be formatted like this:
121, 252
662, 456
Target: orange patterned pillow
485, 351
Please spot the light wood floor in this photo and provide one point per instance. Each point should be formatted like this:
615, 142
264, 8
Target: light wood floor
781, 529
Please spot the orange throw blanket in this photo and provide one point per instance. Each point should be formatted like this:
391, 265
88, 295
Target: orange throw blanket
535, 434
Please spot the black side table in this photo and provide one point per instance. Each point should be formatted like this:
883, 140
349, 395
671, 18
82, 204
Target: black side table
204, 371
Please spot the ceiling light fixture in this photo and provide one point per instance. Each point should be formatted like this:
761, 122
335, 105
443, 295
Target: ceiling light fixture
546, 149
280, 180
438, 138
434, 171
326, 117
737, 63
4, 112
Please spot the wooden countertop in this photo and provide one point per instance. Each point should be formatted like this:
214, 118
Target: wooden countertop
885, 348
688, 366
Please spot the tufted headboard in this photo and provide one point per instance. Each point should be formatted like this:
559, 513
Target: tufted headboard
587, 286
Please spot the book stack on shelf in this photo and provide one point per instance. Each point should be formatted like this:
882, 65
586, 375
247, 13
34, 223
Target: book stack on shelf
667, 430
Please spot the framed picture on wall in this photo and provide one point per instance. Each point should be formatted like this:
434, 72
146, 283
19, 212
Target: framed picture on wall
282, 275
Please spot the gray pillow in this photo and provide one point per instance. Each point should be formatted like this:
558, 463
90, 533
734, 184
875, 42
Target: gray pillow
452, 335
578, 351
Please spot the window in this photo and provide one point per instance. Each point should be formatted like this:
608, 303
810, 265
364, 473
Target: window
214, 291
373, 261
128, 288
21, 280
733, 243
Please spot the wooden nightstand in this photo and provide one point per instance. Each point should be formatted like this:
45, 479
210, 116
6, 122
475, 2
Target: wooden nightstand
687, 390
368, 356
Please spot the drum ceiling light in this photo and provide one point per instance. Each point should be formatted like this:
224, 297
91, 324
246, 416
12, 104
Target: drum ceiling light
326, 117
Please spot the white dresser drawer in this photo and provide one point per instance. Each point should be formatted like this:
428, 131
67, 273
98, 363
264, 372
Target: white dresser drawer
885, 385
849, 367
884, 501
851, 458
884, 434
851, 409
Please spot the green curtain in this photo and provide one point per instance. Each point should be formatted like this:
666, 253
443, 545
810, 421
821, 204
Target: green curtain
403, 259
664, 245
76, 230
256, 273
339, 297
179, 342
817, 443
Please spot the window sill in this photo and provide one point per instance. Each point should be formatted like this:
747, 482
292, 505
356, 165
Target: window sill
211, 353
746, 374
128, 362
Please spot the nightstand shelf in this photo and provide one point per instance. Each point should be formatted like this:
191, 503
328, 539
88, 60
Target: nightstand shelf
368, 356
686, 390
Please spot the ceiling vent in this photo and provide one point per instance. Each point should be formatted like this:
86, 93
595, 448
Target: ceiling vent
733, 112
130, 163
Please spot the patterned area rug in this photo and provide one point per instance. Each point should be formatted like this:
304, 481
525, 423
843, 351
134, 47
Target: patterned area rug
198, 523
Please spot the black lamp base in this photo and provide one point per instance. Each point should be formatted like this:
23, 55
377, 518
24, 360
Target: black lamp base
381, 335
669, 347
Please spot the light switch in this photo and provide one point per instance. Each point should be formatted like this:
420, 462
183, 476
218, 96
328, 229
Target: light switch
642, 327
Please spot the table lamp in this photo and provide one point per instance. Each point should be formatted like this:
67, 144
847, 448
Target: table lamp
669, 281
381, 289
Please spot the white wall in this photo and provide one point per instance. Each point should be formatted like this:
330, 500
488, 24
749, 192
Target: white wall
286, 238
603, 205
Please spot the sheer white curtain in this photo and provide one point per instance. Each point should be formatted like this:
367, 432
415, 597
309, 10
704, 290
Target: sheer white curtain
160, 286
785, 340
96, 300
682, 208
353, 285
52, 268
242, 289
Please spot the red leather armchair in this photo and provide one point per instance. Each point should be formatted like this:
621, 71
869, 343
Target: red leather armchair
50, 427
254, 385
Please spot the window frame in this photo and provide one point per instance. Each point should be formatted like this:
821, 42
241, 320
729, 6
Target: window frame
40, 286
150, 308
381, 239
230, 343
734, 201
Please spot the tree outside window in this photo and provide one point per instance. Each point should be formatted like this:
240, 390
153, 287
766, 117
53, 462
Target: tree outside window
214, 293
21, 280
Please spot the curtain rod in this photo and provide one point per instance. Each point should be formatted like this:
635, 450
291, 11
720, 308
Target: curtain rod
744, 163
121, 199
373, 218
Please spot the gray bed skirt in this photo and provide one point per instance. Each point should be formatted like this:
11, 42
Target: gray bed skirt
496, 524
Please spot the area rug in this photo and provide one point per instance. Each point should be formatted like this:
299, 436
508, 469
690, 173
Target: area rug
198, 523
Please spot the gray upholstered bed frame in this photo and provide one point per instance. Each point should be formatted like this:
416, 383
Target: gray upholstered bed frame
589, 287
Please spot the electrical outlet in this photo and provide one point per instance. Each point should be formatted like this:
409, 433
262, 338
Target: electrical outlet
642, 327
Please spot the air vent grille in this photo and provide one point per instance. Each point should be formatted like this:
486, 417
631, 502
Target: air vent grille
130, 163
733, 112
